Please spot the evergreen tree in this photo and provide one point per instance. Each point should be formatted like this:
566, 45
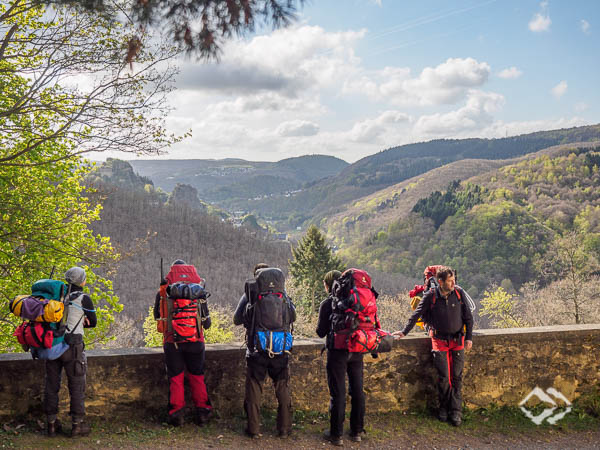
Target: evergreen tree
312, 259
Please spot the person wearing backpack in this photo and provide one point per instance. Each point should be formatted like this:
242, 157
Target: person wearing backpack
182, 313
340, 362
450, 323
267, 313
81, 314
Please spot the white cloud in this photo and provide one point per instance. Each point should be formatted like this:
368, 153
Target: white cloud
297, 128
540, 23
371, 129
541, 20
510, 73
444, 84
476, 114
560, 89
585, 26
581, 106
377, 2
287, 61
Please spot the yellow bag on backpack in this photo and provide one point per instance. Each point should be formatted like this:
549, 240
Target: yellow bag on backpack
53, 311
414, 303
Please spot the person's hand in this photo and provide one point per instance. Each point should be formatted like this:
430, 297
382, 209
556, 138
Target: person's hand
468, 345
86, 322
398, 334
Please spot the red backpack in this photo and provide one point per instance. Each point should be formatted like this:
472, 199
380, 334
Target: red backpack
355, 324
180, 319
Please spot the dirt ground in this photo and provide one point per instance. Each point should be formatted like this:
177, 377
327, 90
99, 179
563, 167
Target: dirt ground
388, 431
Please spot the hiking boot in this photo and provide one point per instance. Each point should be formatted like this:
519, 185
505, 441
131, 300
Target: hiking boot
80, 429
443, 415
455, 419
53, 428
335, 440
358, 436
203, 415
176, 420
251, 435
355, 437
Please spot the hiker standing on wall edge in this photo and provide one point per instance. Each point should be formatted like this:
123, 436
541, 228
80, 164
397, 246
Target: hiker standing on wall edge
450, 321
80, 314
182, 313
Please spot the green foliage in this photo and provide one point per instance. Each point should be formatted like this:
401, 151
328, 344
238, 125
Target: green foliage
439, 207
152, 337
221, 328
45, 211
500, 306
311, 260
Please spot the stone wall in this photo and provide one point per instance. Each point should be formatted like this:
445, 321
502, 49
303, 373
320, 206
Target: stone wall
503, 367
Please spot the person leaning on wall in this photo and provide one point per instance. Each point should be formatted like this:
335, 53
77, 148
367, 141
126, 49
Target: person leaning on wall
445, 311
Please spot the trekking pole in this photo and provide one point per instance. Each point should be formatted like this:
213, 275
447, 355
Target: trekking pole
52, 272
161, 270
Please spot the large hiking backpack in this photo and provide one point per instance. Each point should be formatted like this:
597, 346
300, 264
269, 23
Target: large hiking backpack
270, 312
180, 312
354, 323
43, 312
430, 282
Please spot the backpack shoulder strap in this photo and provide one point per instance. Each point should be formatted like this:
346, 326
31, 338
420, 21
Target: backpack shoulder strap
458, 295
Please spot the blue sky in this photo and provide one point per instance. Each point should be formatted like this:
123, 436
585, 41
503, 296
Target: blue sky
353, 77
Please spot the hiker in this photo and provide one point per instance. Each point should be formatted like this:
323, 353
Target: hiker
450, 323
339, 363
81, 314
182, 313
268, 341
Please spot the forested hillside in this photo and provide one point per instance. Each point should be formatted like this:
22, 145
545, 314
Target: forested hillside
500, 227
144, 229
394, 165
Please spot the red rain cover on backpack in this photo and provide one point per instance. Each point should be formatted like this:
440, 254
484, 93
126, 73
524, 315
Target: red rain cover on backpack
364, 300
353, 289
184, 323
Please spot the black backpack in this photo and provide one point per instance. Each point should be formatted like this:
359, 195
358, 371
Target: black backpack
269, 308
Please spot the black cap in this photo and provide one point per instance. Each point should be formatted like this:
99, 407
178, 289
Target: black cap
178, 262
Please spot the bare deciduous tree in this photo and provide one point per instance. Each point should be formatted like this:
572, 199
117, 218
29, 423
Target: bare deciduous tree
65, 78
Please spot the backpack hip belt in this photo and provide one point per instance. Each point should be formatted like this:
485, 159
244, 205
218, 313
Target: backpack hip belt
447, 336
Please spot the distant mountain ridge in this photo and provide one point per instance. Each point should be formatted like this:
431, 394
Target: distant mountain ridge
208, 174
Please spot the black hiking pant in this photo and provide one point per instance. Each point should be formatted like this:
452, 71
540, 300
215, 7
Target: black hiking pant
340, 363
258, 366
75, 365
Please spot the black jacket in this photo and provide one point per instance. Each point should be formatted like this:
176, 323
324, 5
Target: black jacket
239, 316
447, 316
324, 321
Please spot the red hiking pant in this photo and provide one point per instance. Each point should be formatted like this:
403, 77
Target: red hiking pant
186, 358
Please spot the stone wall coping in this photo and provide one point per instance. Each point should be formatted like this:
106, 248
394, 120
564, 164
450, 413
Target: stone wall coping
239, 347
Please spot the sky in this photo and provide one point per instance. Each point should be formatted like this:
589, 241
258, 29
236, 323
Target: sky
353, 77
